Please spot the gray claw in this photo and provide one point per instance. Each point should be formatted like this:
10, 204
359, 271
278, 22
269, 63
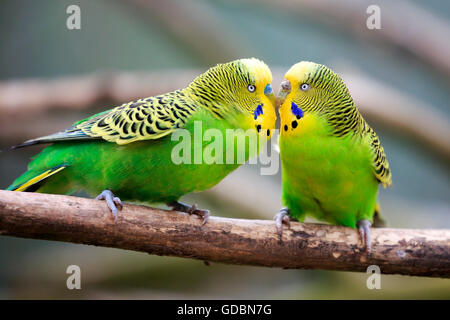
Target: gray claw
280, 218
204, 214
179, 206
113, 202
364, 232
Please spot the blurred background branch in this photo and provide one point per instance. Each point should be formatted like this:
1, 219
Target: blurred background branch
197, 26
425, 40
236, 241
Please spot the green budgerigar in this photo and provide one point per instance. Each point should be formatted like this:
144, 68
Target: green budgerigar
332, 160
126, 153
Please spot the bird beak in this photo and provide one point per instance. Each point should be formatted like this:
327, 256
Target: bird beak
285, 89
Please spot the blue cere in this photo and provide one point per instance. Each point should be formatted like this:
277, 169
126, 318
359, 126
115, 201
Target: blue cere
268, 89
258, 111
298, 112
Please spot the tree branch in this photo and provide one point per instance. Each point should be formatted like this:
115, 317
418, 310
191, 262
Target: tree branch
236, 241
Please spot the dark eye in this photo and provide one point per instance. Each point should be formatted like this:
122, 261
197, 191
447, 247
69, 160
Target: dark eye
305, 87
251, 88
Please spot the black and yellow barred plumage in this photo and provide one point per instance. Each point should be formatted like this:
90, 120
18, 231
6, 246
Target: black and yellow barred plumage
143, 119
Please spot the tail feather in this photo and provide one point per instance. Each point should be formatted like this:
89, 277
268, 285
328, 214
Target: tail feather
378, 221
36, 182
60, 136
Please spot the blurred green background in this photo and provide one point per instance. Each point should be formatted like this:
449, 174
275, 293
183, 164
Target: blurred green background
399, 76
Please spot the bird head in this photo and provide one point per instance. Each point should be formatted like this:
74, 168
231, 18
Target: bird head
310, 88
239, 87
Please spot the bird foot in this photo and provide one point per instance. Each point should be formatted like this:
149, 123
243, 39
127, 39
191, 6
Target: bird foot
281, 218
364, 232
179, 206
114, 203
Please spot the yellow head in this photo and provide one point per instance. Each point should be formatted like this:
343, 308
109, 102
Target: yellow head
309, 91
264, 116
239, 87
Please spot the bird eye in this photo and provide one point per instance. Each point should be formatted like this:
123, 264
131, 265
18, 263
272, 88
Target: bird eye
251, 88
305, 87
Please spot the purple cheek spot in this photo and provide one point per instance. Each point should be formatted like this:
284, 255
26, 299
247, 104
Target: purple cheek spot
258, 111
296, 111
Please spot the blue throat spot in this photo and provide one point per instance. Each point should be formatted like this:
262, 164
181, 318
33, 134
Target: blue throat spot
268, 89
296, 111
258, 111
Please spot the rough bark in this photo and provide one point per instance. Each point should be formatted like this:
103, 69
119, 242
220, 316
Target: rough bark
236, 241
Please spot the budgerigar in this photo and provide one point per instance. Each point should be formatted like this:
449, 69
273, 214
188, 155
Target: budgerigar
125, 153
332, 160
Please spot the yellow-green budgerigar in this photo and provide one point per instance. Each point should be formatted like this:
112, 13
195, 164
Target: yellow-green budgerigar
125, 153
332, 160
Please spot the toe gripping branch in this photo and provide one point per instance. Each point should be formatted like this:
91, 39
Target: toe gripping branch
364, 232
182, 207
114, 203
281, 218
